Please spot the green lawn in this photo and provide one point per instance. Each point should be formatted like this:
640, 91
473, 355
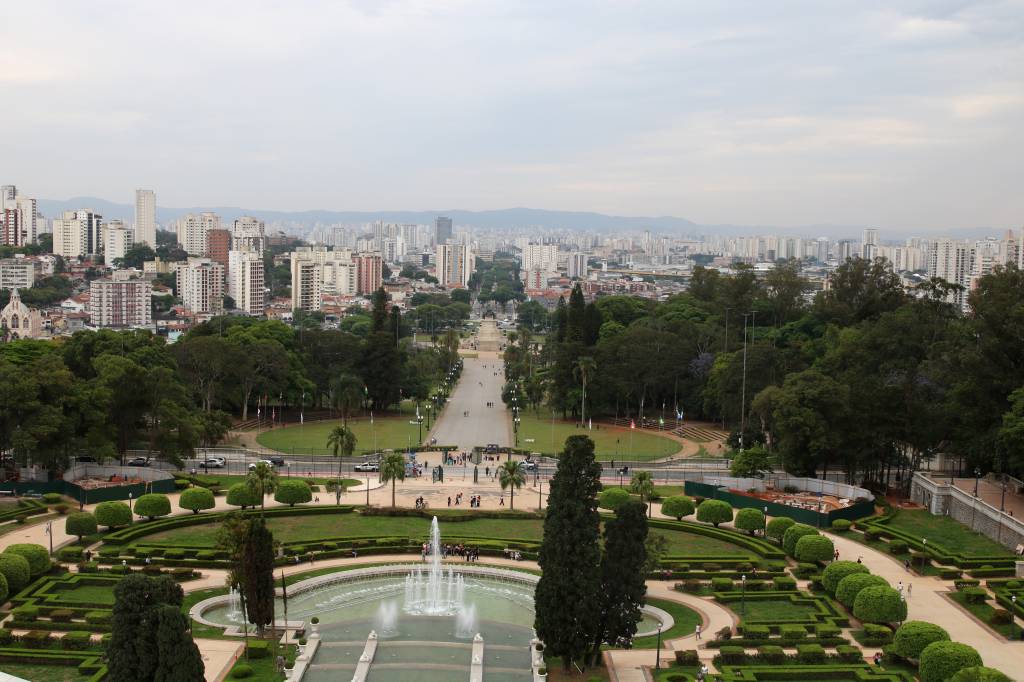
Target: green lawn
394, 433
89, 593
779, 610
947, 533
44, 673
686, 620
690, 544
618, 444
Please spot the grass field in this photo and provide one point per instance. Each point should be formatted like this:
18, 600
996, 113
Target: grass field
395, 433
686, 620
949, 534
778, 610
619, 444
89, 593
44, 673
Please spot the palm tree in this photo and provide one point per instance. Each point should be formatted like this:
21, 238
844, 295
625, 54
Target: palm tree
643, 485
585, 367
262, 479
511, 475
342, 442
392, 468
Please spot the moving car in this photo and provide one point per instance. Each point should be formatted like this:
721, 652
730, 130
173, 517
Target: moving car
214, 463
264, 461
367, 466
529, 465
137, 462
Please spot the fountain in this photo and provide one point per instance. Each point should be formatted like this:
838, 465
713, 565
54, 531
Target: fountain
386, 620
235, 612
434, 592
465, 622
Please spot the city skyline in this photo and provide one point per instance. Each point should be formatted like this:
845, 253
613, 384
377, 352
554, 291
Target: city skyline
904, 116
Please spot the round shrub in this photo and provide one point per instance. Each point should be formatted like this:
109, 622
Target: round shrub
750, 520
613, 497
36, 555
52, 498
979, 673
897, 547
14, 568
814, 548
293, 492
677, 506
879, 604
4, 590
241, 671
240, 495
913, 636
181, 483
80, 524
851, 585
793, 534
196, 499
113, 514
836, 571
153, 505
778, 526
714, 512
841, 525
941, 660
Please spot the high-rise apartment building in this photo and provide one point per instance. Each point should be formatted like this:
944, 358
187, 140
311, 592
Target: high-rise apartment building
245, 282
442, 230
145, 217
248, 234
577, 266
869, 244
201, 285
118, 238
218, 246
369, 272
121, 300
192, 230
542, 257
951, 260
307, 282
17, 273
77, 233
454, 264
18, 218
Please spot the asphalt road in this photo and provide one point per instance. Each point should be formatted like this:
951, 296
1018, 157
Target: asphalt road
481, 383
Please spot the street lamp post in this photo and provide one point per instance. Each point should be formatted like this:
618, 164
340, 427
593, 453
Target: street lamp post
977, 477
49, 532
1002, 498
130, 510
764, 531
419, 421
657, 655
743, 594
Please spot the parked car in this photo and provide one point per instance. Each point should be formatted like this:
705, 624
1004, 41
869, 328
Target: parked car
367, 466
529, 465
276, 461
265, 461
214, 463
138, 462
85, 459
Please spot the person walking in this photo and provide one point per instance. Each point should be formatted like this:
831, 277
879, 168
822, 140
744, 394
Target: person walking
697, 631
449, 500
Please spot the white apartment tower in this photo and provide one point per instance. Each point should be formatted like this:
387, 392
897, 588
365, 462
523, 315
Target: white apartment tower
248, 234
118, 238
121, 300
145, 217
869, 244
577, 266
201, 285
307, 283
542, 257
245, 281
77, 233
19, 220
192, 231
950, 260
454, 264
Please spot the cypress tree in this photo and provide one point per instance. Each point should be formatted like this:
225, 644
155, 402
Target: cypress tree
575, 319
379, 316
592, 320
566, 599
258, 576
622, 576
561, 320
396, 323
175, 647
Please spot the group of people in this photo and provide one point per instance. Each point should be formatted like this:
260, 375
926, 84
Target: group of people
513, 554
467, 553
474, 501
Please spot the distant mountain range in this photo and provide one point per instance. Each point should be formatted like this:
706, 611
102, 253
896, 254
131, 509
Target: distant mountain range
510, 218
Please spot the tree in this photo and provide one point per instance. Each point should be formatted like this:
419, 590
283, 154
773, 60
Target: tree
348, 396
153, 505
622, 577
912, 637
140, 649
753, 462
14, 568
196, 499
850, 586
613, 498
392, 468
942, 660
4, 590
714, 512
814, 548
36, 555
80, 524
677, 506
777, 527
836, 571
262, 480
566, 612
584, 368
292, 491
879, 604
793, 535
750, 519
241, 495
511, 475
979, 673
342, 442
113, 514
643, 485
257, 574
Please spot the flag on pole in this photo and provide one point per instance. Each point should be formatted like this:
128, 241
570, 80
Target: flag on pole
632, 423
590, 424
371, 416
258, 413
302, 418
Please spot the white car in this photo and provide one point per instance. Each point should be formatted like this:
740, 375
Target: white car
262, 461
367, 466
214, 462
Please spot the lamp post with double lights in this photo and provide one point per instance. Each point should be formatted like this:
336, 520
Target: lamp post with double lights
743, 594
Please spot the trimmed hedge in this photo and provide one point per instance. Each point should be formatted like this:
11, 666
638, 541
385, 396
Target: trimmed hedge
36, 555
851, 585
677, 506
814, 548
778, 526
613, 497
941, 660
913, 636
197, 499
879, 527
838, 570
879, 604
714, 512
113, 514
841, 525
240, 495
15, 569
979, 673
80, 524
153, 505
750, 519
292, 492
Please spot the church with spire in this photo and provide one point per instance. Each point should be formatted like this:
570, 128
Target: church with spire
18, 321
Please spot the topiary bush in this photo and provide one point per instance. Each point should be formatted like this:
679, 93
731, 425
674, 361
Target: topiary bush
810, 653
80, 524
979, 673
836, 571
897, 547
941, 660
197, 499
714, 512
36, 555
816, 548
52, 498
113, 514
677, 506
841, 525
153, 505
612, 498
240, 495
777, 527
292, 492
913, 636
75, 640
750, 520
4, 589
851, 585
876, 635
771, 653
879, 604
793, 535
16, 572
241, 671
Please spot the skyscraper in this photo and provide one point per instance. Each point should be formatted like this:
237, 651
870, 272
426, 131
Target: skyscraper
577, 266
245, 282
145, 217
192, 231
442, 230
121, 300
869, 244
454, 265
77, 233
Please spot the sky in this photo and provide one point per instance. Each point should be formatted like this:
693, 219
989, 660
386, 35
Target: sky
861, 112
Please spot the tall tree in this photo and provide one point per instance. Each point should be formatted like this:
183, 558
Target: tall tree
565, 605
592, 321
342, 443
511, 476
575, 321
379, 315
584, 369
623, 587
258, 574
392, 468
174, 644
262, 480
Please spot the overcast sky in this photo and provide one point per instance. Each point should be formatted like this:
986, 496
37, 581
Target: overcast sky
901, 114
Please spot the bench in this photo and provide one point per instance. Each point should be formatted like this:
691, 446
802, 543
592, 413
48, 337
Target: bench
8, 493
